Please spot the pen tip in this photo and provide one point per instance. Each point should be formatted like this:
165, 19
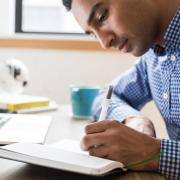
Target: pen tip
110, 91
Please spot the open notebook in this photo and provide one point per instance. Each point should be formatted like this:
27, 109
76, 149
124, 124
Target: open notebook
23, 128
65, 155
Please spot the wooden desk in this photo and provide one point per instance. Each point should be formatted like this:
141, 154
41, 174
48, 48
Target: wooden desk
62, 127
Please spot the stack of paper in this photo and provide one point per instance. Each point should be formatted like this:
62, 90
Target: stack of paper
23, 128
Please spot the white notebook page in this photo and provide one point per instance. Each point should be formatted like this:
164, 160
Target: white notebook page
24, 128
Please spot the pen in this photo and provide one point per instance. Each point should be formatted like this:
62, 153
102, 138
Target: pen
4, 120
105, 104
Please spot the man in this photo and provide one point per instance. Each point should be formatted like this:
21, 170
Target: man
150, 29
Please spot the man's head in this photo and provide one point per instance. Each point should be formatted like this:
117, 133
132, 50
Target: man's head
128, 25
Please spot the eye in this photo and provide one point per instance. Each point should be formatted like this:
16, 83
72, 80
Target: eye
103, 16
93, 35
90, 34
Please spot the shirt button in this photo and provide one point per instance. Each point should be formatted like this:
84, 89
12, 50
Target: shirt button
173, 58
165, 95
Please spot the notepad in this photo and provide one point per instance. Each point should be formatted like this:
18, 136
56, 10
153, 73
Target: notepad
58, 157
12, 102
24, 128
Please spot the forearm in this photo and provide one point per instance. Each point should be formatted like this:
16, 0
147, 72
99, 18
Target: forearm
168, 164
130, 93
118, 109
150, 157
123, 112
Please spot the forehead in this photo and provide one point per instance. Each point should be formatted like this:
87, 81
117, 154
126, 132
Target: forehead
81, 10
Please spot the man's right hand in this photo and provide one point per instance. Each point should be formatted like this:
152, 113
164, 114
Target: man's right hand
113, 140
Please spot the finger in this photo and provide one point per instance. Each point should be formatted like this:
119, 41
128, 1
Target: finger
92, 140
110, 157
96, 127
99, 151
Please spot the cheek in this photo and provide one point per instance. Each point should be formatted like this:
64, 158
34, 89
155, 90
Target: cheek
118, 26
124, 24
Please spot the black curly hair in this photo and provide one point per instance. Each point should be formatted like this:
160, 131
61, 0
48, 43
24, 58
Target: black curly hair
67, 4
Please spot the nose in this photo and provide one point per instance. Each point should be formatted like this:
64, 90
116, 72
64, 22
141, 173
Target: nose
105, 39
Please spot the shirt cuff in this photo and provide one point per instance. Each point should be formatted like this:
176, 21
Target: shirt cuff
170, 159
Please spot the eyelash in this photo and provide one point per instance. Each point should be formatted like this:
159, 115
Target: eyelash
103, 17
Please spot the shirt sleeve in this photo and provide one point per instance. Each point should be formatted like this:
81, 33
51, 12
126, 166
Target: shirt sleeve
170, 159
131, 92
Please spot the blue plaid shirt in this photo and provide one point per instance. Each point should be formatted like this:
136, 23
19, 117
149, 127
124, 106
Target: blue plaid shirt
155, 76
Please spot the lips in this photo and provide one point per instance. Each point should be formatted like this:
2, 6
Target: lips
123, 46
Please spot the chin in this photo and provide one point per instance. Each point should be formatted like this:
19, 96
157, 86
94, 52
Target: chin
139, 51
136, 53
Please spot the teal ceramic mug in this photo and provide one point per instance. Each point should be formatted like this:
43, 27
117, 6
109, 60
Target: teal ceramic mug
82, 98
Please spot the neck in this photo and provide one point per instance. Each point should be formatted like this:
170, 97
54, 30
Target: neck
167, 10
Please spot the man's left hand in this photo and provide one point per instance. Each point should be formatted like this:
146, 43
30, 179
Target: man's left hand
141, 124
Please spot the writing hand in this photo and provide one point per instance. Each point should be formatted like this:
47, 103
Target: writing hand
115, 141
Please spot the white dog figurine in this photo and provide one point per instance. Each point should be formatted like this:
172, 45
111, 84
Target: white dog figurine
14, 76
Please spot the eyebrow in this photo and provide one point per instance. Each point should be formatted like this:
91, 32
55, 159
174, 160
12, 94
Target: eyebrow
93, 12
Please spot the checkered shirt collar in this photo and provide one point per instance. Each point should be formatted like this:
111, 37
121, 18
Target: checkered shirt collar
172, 37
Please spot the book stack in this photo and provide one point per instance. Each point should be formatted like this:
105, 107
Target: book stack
18, 103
